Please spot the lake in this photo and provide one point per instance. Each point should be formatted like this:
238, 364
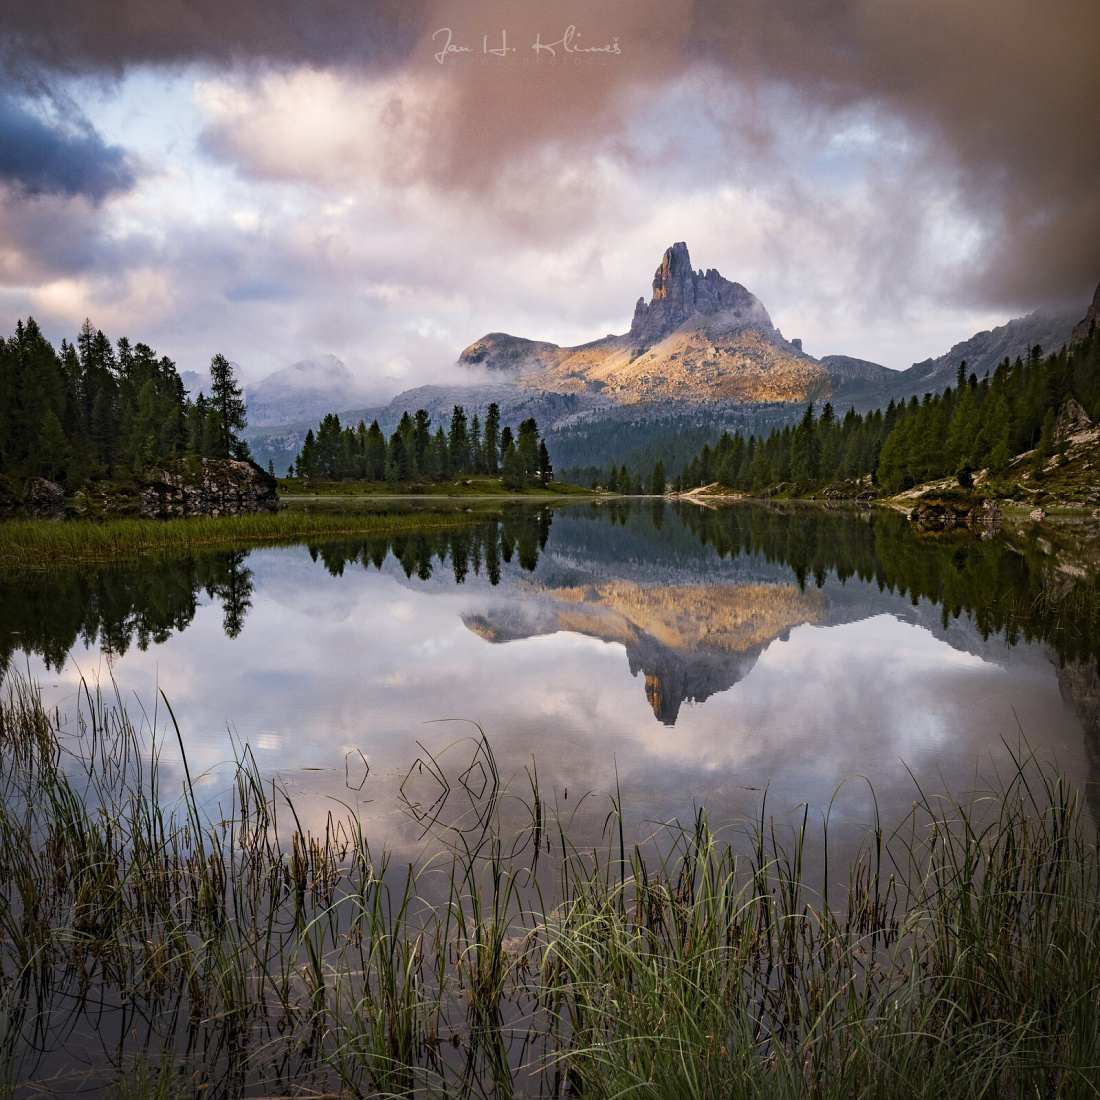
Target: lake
745, 660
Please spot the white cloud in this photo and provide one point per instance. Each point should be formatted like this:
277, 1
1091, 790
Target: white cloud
287, 214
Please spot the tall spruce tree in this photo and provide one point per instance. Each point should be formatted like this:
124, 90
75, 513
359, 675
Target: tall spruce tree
226, 399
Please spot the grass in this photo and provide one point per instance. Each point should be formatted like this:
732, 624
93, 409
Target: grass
474, 486
35, 544
154, 945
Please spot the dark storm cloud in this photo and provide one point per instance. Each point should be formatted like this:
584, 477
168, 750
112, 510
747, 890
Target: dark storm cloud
108, 35
1006, 91
999, 95
44, 159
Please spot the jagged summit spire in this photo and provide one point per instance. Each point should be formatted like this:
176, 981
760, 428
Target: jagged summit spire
679, 293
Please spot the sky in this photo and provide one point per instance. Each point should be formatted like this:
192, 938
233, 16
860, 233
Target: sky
367, 178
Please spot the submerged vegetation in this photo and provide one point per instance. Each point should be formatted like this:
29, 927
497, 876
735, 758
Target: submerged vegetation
153, 942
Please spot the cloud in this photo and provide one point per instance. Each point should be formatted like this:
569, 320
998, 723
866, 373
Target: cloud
41, 158
887, 177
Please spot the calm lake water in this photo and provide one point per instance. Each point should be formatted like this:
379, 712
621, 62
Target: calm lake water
683, 657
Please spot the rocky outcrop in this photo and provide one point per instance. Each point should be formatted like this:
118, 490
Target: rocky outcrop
946, 516
43, 499
208, 487
679, 293
1085, 326
1071, 420
503, 354
700, 339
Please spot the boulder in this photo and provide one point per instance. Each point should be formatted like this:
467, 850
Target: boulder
208, 487
43, 499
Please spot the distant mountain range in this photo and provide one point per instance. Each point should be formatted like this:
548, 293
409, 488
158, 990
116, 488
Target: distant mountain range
701, 348
305, 390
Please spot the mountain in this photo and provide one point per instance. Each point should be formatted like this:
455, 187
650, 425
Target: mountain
984, 350
1081, 329
195, 383
700, 338
689, 641
305, 390
702, 353
843, 368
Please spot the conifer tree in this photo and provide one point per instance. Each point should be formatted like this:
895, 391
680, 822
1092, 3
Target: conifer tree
227, 401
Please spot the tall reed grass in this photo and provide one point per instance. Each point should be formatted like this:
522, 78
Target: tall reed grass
152, 944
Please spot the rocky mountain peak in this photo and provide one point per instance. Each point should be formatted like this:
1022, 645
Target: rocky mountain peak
680, 293
1091, 318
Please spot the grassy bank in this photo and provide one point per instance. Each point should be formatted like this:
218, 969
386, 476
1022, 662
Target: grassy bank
475, 486
149, 946
35, 544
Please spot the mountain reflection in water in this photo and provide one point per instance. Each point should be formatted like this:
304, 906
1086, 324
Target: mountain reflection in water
689, 641
693, 596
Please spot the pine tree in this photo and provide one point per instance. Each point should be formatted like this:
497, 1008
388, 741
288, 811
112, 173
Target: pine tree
459, 442
51, 452
227, 401
546, 471
657, 479
490, 439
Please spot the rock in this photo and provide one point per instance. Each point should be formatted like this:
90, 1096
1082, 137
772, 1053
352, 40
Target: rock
1037, 513
680, 293
986, 520
935, 517
43, 499
511, 355
208, 487
1071, 418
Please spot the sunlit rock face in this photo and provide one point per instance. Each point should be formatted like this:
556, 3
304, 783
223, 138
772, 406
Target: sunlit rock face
700, 338
689, 641
500, 353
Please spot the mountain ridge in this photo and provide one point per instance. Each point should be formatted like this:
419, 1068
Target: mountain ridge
701, 347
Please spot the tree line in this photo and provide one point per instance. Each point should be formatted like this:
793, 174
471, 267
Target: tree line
974, 425
414, 452
94, 409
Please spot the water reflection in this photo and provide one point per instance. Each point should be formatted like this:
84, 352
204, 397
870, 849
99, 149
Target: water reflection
142, 603
815, 640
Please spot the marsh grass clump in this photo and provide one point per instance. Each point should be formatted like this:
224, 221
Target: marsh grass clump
36, 544
154, 944
965, 962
